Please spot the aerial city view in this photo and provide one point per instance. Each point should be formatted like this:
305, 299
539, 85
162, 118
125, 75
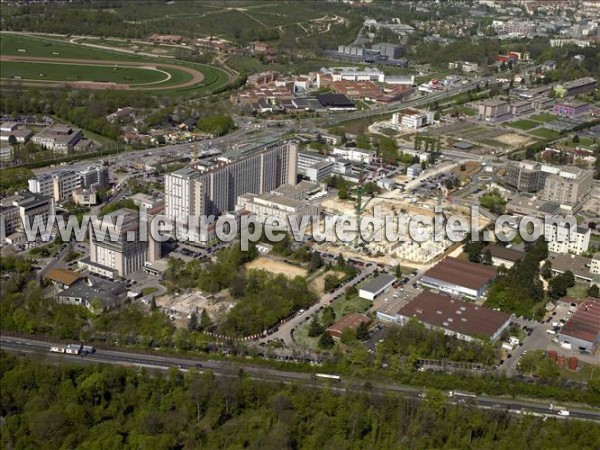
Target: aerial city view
285, 224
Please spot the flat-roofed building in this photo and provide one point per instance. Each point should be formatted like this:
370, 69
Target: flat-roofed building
272, 205
504, 256
24, 207
570, 186
525, 176
375, 287
463, 320
355, 154
559, 239
582, 330
493, 110
60, 138
459, 277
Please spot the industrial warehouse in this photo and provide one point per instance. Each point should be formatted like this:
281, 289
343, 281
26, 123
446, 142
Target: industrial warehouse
459, 277
464, 320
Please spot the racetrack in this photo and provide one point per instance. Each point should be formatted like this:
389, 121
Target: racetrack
192, 77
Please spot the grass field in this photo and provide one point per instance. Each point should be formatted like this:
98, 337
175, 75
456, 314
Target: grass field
545, 133
523, 124
55, 71
179, 75
543, 117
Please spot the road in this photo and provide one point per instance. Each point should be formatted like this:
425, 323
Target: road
37, 349
285, 330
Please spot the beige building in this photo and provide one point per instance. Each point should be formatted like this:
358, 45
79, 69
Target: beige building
21, 208
493, 110
569, 186
273, 205
125, 254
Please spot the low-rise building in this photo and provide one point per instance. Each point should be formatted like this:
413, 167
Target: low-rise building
96, 295
355, 154
503, 256
463, 320
85, 197
414, 170
375, 287
493, 110
582, 330
459, 277
580, 266
59, 138
570, 108
271, 205
349, 322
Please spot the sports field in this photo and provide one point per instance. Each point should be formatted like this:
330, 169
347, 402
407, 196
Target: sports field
40, 61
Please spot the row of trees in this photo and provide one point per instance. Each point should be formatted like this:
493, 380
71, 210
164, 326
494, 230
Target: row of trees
83, 406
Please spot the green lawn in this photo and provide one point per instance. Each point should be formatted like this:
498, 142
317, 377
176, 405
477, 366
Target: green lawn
52, 71
36, 46
354, 304
545, 133
584, 142
523, 124
471, 112
578, 291
543, 117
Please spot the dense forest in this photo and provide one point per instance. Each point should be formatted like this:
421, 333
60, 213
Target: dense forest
103, 407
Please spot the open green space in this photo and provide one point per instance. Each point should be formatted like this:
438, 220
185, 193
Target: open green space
584, 142
545, 133
523, 124
543, 117
60, 71
37, 46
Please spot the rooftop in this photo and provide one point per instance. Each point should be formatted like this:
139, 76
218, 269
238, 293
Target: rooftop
63, 276
109, 293
585, 322
378, 283
461, 272
461, 317
351, 321
508, 254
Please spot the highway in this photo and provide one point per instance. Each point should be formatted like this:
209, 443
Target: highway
37, 349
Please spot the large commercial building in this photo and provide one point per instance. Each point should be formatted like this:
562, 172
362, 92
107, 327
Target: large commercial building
391, 51
464, 320
214, 189
459, 277
580, 86
94, 176
582, 330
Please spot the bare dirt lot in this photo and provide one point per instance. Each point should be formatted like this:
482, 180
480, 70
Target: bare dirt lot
276, 267
513, 139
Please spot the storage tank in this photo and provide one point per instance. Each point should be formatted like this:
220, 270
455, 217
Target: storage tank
561, 361
573, 363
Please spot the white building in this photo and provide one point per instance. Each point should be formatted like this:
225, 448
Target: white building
414, 170
559, 239
59, 185
355, 154
414, 121
272, 205
372, 289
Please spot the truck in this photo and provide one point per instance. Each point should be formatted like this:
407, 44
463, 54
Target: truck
57, 349
507, 346
564, 412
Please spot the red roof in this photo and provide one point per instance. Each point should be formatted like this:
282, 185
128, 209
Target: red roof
454, 315
585, 322
462, 273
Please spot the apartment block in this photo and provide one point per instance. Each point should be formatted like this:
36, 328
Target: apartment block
559, 239
570, 186
21, 208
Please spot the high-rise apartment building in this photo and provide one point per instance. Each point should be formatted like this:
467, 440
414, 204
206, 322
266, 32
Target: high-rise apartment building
212, 189
569, 186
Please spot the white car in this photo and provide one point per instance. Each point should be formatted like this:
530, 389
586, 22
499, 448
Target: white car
564, 412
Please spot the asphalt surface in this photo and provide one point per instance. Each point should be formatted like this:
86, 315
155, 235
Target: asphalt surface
35, 349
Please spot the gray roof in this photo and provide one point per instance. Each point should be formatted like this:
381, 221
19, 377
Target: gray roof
109, 293
378, 283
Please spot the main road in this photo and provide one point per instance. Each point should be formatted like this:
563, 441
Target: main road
40, 349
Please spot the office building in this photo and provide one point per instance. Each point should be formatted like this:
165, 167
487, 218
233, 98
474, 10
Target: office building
493, 110
355, 154
584, 85
571, 108
391, 51
525, 176
268, 205
59, 185
21, 208
94, 176
569, 187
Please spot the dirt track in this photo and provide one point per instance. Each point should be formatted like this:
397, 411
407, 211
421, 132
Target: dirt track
197, 76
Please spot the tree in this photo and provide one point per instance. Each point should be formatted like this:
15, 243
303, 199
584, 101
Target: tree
350, 292
315, 261
487, 257
362, 141
576, 139
569, 278
193, 324
326, 341
398, 271
315, 328
348, 336
546, 271
205, 321
362, 332
594, 291
343, 192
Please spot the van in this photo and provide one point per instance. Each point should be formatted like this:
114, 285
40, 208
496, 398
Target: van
550, 331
